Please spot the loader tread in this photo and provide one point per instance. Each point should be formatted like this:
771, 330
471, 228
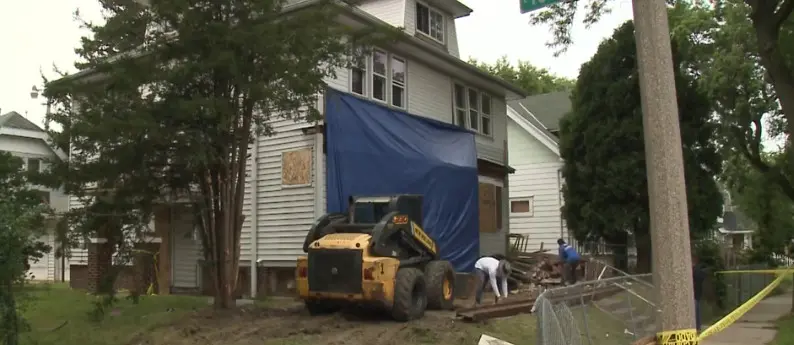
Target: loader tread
410, 298
440, 278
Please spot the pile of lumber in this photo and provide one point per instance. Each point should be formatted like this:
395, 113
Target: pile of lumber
536, 269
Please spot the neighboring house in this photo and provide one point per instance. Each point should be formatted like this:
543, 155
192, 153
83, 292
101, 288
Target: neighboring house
734, 228
536, 186
29, 142
426, 78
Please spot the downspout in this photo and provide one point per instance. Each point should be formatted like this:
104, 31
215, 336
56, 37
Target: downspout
559, 205
254, 219
319, 171
319, 168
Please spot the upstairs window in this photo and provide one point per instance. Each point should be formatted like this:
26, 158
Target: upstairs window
34, 165
379, 61
430, 22
358, 77
473, 109
398, 82
382, 77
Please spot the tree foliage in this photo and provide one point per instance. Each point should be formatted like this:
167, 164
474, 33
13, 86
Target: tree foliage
171, 113
749, 42
601, 142
21, 221
771, 211
531, 79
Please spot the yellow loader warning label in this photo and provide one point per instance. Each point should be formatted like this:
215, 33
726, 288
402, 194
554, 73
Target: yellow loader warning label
420, 235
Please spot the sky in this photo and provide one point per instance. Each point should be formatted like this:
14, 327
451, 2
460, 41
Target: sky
40, 34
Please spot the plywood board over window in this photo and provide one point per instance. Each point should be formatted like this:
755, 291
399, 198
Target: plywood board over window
296, 168
488, 208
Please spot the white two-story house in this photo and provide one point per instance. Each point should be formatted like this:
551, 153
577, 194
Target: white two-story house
29, 142
422, 75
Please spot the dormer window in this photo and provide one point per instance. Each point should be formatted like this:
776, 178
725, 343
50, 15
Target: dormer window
429, 22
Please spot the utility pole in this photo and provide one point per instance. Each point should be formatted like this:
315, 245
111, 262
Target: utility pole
672, 264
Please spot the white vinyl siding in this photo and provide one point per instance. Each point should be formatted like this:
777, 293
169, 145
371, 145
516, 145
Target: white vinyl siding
535, 179
389, 11
284, 215
185, 250
44, 269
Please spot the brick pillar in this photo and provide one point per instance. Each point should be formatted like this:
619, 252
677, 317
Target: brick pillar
100, 259
144, 271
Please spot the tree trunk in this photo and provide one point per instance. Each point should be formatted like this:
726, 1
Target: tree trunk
644, 248
767, 32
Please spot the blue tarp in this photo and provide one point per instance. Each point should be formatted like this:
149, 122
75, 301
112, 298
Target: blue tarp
375, 150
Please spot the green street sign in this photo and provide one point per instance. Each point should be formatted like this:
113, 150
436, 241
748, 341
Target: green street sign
531, 5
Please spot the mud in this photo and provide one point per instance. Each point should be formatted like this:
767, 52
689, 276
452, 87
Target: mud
290, 324
295, 326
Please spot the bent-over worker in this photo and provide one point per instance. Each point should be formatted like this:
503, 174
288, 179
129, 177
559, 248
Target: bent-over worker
489, 269
570, 259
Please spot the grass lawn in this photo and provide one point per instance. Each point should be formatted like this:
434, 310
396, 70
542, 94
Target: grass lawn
52, 305
785, 331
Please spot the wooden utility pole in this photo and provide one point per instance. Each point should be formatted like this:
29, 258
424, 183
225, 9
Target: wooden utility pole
672, 266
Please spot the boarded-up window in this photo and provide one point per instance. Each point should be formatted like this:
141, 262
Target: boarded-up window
487, 208
522, 207
296, 167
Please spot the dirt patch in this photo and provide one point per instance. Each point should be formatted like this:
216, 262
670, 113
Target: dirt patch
294, 326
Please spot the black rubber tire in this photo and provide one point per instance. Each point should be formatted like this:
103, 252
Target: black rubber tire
436, 272
410, 295
321, 307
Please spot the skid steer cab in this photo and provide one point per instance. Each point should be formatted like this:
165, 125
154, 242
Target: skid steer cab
375, 255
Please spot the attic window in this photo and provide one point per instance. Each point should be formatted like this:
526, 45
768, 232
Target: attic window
430, 22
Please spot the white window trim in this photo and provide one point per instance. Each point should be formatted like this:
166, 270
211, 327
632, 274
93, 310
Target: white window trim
366, 67
370, 76
529, 199
467, 109
431, 9
393, 83
484, 115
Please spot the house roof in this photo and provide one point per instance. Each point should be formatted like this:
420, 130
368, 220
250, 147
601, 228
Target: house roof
15, 120
531, 125
511, 91
736, 221
547, 108
531, 119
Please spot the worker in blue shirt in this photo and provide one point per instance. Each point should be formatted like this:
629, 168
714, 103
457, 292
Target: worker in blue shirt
570, 259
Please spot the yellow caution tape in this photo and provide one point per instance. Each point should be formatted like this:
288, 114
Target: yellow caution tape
679, 337
742, 309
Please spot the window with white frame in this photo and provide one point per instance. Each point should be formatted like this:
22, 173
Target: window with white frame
386, 76
397, 82
523, 206
473, 109
34, 165
430, 22
379, 76
358, 76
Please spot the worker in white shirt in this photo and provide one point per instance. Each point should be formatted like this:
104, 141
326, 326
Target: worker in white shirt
488, 269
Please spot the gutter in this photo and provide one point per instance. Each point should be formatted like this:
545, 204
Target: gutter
375, 21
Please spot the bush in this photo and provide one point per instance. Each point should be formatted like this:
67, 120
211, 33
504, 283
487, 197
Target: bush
709, 255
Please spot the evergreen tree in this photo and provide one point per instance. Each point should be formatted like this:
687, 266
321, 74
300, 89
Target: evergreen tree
601, 142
